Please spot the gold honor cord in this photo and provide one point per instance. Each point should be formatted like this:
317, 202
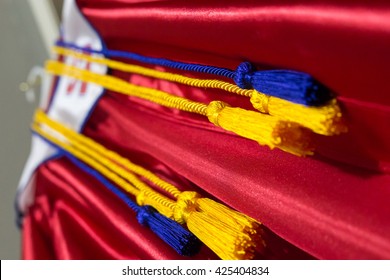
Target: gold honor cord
264, 129
230, 234
144, 196
325, 120
81, 140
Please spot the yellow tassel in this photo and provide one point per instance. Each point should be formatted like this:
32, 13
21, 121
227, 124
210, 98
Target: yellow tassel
264, 129
325, 120
230, 234
233, 218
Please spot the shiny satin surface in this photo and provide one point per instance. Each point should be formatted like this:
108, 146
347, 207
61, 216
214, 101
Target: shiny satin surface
343, 44
332, 206
328, 209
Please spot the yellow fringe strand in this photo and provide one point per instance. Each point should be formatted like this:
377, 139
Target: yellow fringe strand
230, 234
325, 120
289, 137
264, 129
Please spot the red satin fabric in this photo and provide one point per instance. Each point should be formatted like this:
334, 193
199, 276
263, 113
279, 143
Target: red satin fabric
330, 210
344, 44
332, 206
75, 217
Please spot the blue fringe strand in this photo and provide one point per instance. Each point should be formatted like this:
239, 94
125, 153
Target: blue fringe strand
170, 231
297, 87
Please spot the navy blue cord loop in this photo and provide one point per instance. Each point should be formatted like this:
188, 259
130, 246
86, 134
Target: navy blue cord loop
294, 86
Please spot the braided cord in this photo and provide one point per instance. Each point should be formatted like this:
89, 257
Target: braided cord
131, 68
324, 119
89, 146
103, 180
157, 61
115, 84
143, 194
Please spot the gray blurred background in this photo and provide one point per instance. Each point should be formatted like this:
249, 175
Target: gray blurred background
22, 45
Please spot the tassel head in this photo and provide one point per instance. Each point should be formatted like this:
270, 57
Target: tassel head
185, 205
243, 75
260, 102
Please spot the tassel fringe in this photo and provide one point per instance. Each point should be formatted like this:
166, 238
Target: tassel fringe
264, 129
231, 235
297, 87
325, 120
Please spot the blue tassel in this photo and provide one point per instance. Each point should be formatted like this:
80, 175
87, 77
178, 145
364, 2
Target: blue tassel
180, 239
297, 87
183, 241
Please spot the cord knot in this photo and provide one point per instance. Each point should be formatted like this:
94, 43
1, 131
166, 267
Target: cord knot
243, 75
260, 101
185, 204
213, 110
140, 198
143, 215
